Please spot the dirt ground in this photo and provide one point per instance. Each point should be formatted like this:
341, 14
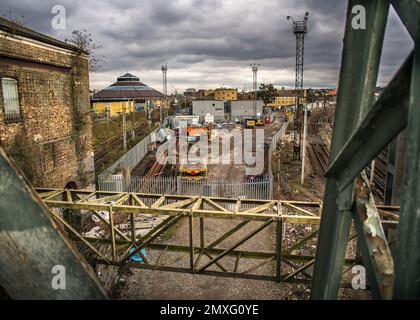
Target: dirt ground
233, 171
149, 284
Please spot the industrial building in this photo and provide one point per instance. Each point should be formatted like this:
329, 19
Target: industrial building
128, 94
219, 94
204, 94
189, 93
226, 94
285, 98
245, 108
218, 109
246, 95
226, 110
282, 102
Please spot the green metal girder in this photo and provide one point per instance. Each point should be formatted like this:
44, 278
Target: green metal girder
358, 75
31, 244
383, 123
407, 266
409, 13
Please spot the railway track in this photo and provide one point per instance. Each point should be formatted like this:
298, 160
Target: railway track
101, 149
158, 168
321, 152
317, 144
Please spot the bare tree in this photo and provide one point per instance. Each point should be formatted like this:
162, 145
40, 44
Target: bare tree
83, 40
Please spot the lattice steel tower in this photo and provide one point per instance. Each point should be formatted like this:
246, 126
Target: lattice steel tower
300, 28
254, 67
165, 90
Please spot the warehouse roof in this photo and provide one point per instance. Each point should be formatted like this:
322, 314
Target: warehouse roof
127, 86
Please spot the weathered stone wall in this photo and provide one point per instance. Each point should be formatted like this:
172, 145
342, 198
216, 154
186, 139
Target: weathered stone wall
52, 143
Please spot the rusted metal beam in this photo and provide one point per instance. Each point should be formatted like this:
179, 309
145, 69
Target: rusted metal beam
306, 212
112, 230
376, 254
141, 244
228, 234
237, 244
279, 243
299, 270
96, 204
178, 207
301, 241
191, 241
158, 202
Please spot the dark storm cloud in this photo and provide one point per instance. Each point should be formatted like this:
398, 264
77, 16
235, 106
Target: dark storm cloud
210, 42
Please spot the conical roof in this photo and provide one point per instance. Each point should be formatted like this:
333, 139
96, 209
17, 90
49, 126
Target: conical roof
127, 86
128, 77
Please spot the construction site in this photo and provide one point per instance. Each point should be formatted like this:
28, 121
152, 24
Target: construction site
139, 194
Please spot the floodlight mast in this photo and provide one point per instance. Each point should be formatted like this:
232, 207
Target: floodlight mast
254, 67
165, 91
300, 28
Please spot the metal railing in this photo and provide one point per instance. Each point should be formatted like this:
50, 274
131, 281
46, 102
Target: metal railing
203, 250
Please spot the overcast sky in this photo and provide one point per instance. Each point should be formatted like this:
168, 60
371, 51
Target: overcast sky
210, 43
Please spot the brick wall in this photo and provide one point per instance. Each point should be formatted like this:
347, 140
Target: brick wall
52, 143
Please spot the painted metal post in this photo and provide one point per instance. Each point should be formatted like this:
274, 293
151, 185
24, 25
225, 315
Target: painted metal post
279, 238
202, 233
124, 129
407, 267
358, 75
132, 222
190, 218
112, 231
305, 124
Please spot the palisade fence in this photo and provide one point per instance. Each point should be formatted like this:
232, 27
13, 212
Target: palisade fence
133, 157
260, 188
241, 189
